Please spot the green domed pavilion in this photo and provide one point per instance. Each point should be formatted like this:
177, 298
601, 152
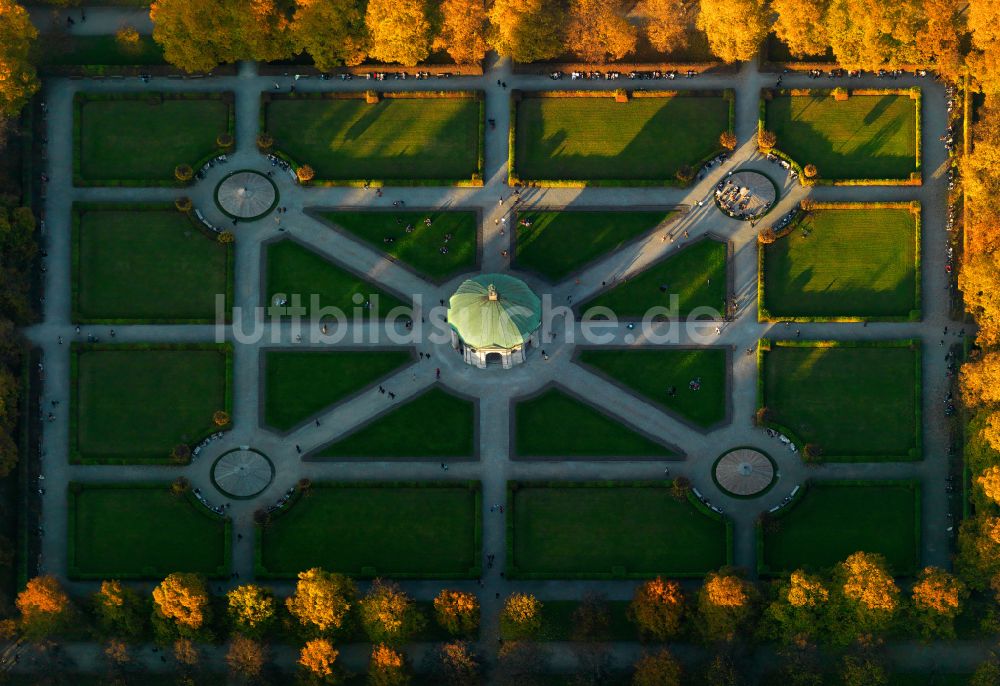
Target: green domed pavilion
494, 318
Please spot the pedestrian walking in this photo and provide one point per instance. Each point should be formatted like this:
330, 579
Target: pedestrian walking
437, 373
298, 449
392, 396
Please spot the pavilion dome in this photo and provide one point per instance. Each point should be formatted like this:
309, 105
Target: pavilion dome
494, 311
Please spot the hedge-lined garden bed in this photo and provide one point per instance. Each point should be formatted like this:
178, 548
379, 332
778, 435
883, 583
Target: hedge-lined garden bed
420, 138
138, 139
142, 531
611, 530
136, 403
856, 401
420, 530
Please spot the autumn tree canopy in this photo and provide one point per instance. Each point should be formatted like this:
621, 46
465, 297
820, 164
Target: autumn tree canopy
726, 603
388, 615
119, 610
45, 608
251, 609
980, 380
866, 35
937, 600
864, 597
735, 28
399, 31
522, 615
801, 25
657, 669
939, 41
246, 657
985, 58
181, 600
18, 80
318, 660
321, 600
463, 30
387, 667
798, 611
457, 611
526, 30
657, 608
667, 23
333, 32
598, 30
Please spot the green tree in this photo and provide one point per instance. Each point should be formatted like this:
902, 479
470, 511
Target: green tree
864, 598
119, 611
526, 30
727, 603
798, 610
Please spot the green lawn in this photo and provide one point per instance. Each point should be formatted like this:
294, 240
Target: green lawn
142, 531
298, 384
598, 139
398, 139
421, 247
293, 269
863, 137
143, 137
555, 424
560, 242
696, 274
835, 519
856, 403
844, 263
135, 404
139, 264
651, 372
104, 50
370, 529
446, 427
587, 530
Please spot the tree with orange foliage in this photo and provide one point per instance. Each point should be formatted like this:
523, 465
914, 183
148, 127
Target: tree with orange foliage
979, 381
657, 669
119, 611
457, 612
978, 556
989, 481
456, 664
726, 604
198, 36
181, 606
939, 41
388, 615
937, 600
599, 31
526, 30
186, 652
251, 609
399, 31
318, 660
463, 30
872, 36
797, 612
521, 616
45, 608
387, 667
864, 598
322, 600
18, 79
333, 32
979, 280
667, 23
657, 608
980, 169
801, 26
246, 657
984, 61
991, 431
735, 28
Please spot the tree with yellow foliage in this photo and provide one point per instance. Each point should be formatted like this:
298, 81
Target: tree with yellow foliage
726, 604
521, 616
387, 668
937, 600
526, 30
333, 32
322, 600
667, 23
18, 80
981, 182
198, 36
979, 280
657, 669
119, 611
318, 660
657, 608
457, 612
989, 481
399, 31
181, 606
801, 26
864, 598
735, 28
991, 430
872, 36
251, 609
978, 556
463, 30
45, 608
797, 612
979, 381
599, 31
940, 39
388, 615
984, 61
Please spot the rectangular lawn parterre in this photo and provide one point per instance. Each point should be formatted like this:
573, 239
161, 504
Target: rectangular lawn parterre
133, 404
399, 530
139, 139
402, 139
851, 262
134, 264
834, 519
857, 401
863, 137
593, 139
591, 530
142, 531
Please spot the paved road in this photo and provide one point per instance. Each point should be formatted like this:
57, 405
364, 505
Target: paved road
495, 388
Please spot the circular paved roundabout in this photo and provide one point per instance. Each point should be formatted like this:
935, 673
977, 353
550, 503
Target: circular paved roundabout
242, 473
744, 472
746, 195
246, 195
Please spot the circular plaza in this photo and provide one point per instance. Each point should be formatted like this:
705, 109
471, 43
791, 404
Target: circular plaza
246, 195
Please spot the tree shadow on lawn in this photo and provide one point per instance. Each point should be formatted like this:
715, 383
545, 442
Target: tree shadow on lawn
798, 296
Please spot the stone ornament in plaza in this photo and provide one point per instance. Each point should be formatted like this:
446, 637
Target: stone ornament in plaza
744, 472
494, 318
246, 195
